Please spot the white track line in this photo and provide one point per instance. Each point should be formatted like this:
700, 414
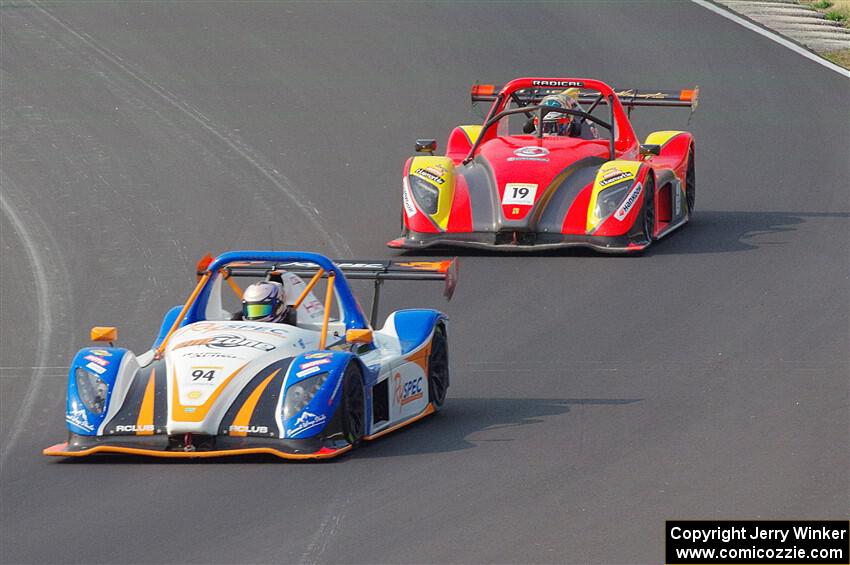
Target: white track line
233, 141
42, 287
773, 36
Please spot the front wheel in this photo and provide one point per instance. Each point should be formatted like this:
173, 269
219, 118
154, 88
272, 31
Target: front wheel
649, 208
438, 368
353, 407
691, 183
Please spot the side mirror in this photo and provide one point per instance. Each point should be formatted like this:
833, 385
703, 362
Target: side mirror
426, 146
104, 333
358, 336
646, 150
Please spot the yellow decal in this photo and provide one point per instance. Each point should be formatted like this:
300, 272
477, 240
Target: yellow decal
472, 132
610, 174
660, 137
439, 172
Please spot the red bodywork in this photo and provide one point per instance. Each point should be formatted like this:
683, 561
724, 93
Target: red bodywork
562, 172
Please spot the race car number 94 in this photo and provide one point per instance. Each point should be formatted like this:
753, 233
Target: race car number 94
519, 193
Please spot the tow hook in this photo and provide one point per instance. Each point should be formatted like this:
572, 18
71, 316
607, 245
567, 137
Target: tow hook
187, 442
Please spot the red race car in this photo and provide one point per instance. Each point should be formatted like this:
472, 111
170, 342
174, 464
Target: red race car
556, 163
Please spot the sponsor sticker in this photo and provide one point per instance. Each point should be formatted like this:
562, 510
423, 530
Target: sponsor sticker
101, 352
95, 368
249, 429
226, 341
98, 360
209, 355
628, 203
317, 355
432, 174
307, 365
532, 153
613, 175
79, 418
407, 391
195, 394
635, 94
574, 83
519, 193
264, 328
409, 208
306, 421
307, 372
135, 428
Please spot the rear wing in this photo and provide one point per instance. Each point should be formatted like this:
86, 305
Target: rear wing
377, 271
629, 98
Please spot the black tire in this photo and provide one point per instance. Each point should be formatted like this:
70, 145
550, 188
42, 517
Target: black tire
691, 183
649, 208
354, 405
438, 368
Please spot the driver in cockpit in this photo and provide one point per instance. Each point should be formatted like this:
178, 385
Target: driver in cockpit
265, 301
559, 124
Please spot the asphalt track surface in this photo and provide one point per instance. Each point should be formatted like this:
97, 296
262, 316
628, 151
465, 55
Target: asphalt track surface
592, 397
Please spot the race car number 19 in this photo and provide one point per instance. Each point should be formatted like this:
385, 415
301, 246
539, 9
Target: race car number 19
519, 193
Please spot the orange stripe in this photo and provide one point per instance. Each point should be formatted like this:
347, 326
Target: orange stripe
185, 309
180, 412
328, 297
686, 95
421, 357
310, 286
233, 286
146, 411
324, 453
428, 411
243, 417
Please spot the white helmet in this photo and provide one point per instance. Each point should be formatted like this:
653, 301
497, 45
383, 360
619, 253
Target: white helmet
264, 302
557, 123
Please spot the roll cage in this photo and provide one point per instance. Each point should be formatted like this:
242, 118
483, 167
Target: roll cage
527, 92
262, 263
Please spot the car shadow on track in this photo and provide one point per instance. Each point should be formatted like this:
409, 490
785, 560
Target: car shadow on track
722, 232
709, 231
450, 430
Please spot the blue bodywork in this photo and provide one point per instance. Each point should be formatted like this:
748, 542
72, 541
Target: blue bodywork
79, 418
314, 417
413, 328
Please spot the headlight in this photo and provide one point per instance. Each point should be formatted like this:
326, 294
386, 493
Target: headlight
610, 199
91, 390
425, 195
301, 393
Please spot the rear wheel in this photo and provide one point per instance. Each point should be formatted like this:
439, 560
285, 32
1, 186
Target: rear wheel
353, 408
438, 368
649, 208
690, 183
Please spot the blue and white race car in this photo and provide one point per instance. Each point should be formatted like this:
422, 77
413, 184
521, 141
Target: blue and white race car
212, 385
